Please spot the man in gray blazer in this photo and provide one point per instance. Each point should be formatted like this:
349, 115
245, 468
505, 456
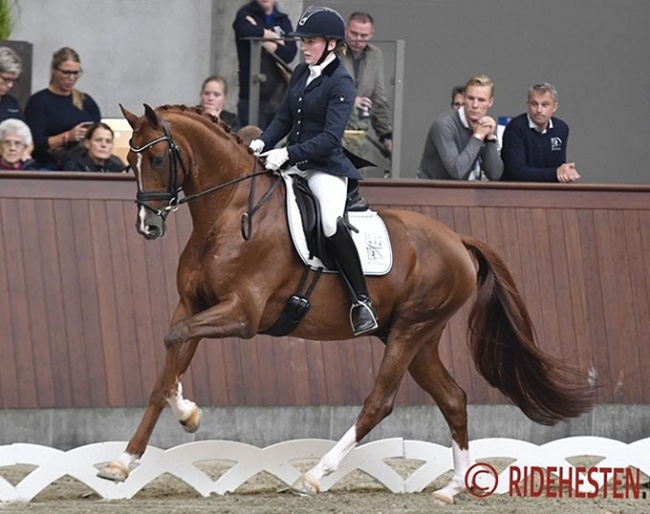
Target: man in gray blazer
365, 63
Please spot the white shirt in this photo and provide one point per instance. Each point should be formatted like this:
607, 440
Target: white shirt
316, 70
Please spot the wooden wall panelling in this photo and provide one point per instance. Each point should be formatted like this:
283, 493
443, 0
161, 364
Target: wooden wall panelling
19, 302
8, 370
639, 314
85, 291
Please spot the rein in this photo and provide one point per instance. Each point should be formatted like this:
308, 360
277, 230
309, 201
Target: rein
144, 197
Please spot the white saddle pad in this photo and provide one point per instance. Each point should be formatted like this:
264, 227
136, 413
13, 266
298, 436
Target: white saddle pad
372, 241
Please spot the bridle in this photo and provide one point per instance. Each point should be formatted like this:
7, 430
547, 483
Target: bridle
143, 198
171, 195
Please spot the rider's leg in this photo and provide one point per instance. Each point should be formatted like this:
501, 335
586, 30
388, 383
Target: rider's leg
331, 192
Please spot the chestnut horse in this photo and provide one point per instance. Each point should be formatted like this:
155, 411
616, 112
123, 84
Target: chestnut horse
232, 287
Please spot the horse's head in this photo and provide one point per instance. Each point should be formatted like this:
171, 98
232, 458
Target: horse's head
159, 169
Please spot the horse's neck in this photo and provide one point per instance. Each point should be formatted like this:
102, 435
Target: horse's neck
218, 180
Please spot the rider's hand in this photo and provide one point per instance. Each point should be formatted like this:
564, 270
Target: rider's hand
275, 158
257, 145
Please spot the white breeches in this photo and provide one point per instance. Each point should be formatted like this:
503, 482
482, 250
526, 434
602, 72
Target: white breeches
332, 194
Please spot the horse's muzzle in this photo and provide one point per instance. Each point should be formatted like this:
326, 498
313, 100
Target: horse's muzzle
150, 225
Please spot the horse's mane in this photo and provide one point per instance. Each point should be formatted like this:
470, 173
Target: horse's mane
216, 124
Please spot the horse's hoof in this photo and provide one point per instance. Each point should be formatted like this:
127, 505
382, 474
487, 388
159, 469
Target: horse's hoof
305, 486
192, 422
114, 471
442, 499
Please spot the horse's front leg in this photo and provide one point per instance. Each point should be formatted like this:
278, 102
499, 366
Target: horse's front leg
167, 389
231, 317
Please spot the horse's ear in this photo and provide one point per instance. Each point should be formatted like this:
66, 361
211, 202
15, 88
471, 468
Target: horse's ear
151, 115
130, 117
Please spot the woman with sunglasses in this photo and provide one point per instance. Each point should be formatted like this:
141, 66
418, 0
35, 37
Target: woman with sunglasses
60, 115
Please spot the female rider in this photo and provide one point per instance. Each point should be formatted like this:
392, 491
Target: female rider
314, 114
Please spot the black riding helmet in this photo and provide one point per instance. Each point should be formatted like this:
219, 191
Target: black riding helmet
324, 22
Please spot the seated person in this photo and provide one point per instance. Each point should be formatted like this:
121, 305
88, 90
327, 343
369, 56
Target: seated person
214, 96
59, 115
535, 142
457, 96
15, 140
97, 155
10, 68
462, 144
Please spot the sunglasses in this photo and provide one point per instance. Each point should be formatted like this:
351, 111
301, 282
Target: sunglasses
70, 73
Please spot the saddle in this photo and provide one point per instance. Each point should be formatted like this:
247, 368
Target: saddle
309, 210
303, 218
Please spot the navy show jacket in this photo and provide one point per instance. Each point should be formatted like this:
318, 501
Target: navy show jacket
314, 118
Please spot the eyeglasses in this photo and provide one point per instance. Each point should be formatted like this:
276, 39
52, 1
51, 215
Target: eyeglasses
70, 73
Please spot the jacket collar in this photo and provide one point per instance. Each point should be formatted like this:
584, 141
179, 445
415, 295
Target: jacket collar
327, 71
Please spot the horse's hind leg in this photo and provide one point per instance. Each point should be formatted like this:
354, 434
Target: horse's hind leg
166, 390
430, 374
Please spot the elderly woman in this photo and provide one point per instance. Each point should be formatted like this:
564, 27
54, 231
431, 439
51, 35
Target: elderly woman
15, 141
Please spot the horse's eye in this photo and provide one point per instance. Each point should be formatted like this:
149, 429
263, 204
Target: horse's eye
157, 161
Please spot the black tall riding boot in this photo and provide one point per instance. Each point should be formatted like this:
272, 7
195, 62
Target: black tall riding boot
363, 317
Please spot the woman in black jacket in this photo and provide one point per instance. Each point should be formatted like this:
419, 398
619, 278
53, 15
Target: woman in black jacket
97, 152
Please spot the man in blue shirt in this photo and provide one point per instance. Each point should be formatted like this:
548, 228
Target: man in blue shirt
535, 143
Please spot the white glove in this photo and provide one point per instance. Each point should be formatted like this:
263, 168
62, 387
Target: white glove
275, 158
257, 145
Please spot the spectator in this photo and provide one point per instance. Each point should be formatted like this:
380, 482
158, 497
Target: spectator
97, 154
535, 143
59, 115
10, 68
214, 96
249, 132
15, 140
261, 18
462, 144
457, 94
365, 63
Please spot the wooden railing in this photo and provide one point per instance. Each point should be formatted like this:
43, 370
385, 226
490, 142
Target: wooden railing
85, 301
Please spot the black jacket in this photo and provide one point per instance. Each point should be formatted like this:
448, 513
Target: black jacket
83, 163
281, 25
314, 118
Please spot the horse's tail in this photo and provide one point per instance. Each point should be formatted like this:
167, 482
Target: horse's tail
503, 344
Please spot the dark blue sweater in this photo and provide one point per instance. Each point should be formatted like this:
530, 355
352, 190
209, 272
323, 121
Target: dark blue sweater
49, 114
10, 108
530, 156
